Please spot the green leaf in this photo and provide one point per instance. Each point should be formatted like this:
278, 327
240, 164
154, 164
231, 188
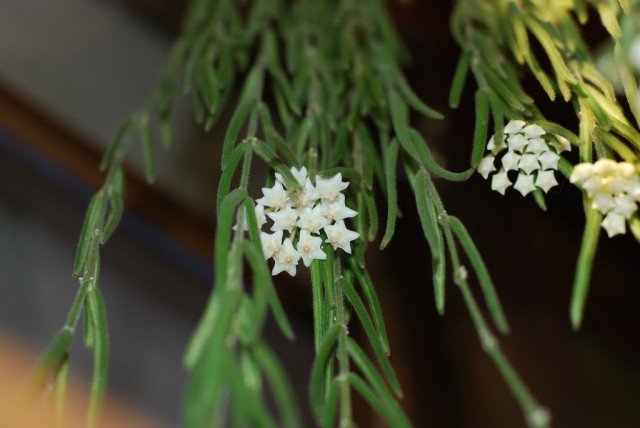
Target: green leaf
269, 156
280, 386
208, 86
100, 353
115, 192
116, 144
390, 156
584, 266
319, 304
51, 359
459, 79
482, 125
393, 419
429, 162
374, 339
318, 370
488, 289
88, 236
235, 124
224, 185
146, 135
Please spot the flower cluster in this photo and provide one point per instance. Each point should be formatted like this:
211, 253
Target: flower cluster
528, 151
613, 189
309, 216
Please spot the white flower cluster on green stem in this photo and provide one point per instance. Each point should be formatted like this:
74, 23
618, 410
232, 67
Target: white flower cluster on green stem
528, 151
613, 189
309, 216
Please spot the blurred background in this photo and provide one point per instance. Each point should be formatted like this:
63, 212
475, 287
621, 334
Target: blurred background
72, 70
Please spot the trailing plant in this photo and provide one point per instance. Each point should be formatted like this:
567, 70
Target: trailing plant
504, 41
317, 86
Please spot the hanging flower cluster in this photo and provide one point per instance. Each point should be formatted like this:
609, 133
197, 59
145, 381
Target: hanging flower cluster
309, 216
529, 152
613, 189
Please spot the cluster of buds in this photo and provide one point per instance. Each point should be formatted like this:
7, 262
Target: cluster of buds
613, 189
526, 152
309, 216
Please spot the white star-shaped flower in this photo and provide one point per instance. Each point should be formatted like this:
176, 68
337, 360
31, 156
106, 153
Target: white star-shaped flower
549, 160
593, 185
285, 219
529, 163
311, 219
524, 184
633, 190
510, 161
308, 196
337, 210
275, 197
310, 248
625, 206
537, 146
262, 219
495, 148
604, 166
626, 170
602, 202
330, 188
614, 224
286, 259
561, 144
514, 126
486, 166
581, 172
546, 180
517, 142
299, 174
500, 182
533, 131
340, 237
616, 184
271, 243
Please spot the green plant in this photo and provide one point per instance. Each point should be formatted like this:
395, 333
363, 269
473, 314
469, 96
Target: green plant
341, 104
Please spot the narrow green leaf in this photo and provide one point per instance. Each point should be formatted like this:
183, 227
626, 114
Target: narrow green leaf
482, 125
235, 124
269, 156
584, 266
459, 79
318, 370
429, 162
319, 326
280, 386
100, 353
224, 185
92, 221
393, 419
488, 289
374, 339
116, 143
390, 155
146, 136
208, 86
51, 359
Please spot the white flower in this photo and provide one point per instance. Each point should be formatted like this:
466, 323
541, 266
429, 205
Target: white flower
337, 210
604, 166
514, 126
310, 247
524, 184
633, 190
510, 161
308, 196
262, 219
500, 182
627, 170
625, 206
581, 172
537, 146
549, 160
285, 219
561, 144
486, 166
533, 131
614, 224
311, 219
546, 180
495, 148
340, 237
286, 259
529, 163
275, 197
330, 188
271, 243
299, 174
602, 202
517, 142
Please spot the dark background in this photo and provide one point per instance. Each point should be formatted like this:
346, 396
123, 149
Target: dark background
156, 269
